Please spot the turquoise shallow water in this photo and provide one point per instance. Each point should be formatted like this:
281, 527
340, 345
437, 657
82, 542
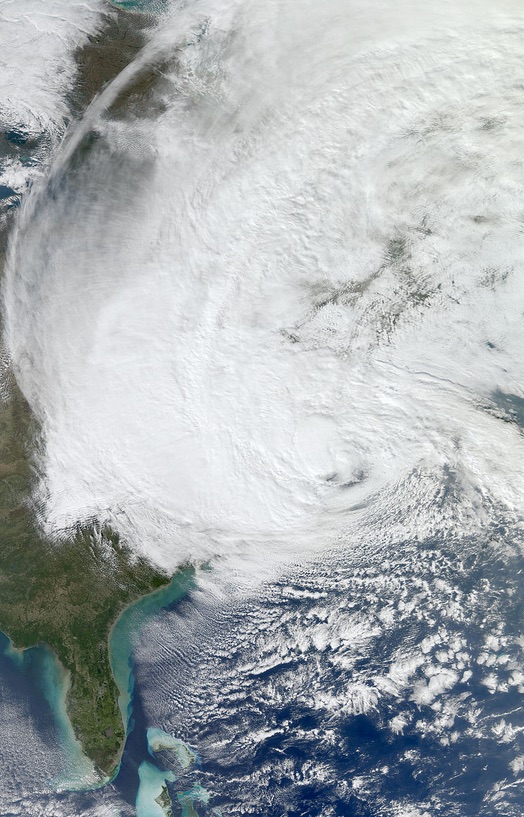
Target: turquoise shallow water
47, 681
153, 799
160, 741
141, 6
127, 627
46, 678
152, 783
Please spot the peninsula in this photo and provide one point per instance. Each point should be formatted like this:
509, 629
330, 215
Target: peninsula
68, 593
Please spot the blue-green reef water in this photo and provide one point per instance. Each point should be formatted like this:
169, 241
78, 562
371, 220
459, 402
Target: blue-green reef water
127, 627
45, 682
141, 6
141, 779
153, 799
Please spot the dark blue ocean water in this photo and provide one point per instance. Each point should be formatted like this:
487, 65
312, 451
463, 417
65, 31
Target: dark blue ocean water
232, 684
21, 679
248, 697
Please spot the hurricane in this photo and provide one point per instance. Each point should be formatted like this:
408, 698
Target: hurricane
281, 289
265, 300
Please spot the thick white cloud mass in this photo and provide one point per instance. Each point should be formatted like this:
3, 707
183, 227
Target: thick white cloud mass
37, 75
270, 303
276, 299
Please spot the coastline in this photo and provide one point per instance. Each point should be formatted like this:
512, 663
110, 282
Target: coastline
122, 637
54, 681
87, 676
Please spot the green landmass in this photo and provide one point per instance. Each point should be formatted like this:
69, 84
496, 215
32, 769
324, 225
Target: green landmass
164, 801
68, 593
